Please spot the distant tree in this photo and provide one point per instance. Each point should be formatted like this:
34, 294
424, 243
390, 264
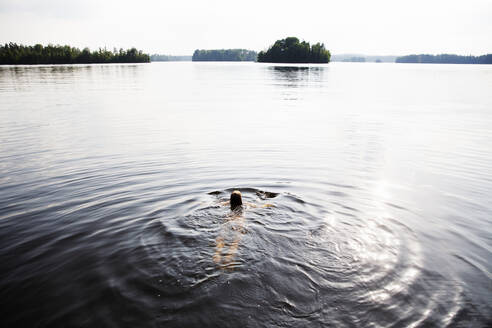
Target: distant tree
13, 54
291, 50
224, 55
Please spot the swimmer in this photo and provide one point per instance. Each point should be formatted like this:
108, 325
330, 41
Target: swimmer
235, 227
236, 202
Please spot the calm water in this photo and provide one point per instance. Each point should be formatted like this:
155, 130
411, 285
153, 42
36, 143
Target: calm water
112, 179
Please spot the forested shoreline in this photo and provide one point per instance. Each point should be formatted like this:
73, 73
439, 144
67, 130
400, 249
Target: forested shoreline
18, 54
288, 50
224, 55
445, 59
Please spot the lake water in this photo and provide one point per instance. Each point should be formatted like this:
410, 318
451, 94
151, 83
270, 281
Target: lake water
378, 180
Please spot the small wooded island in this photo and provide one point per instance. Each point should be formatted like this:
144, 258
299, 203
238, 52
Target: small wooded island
14, 54
291, 50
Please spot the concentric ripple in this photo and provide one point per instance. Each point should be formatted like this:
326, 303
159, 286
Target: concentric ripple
288, 265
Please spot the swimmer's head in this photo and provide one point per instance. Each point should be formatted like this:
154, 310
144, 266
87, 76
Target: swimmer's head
236, 199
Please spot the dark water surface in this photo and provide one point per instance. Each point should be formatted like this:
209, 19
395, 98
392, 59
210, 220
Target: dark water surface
379, 177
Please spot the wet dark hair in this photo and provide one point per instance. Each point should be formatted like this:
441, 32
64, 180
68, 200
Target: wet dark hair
236, 199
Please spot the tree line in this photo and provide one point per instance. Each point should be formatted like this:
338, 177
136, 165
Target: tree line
291, 50
157, 57
354, 60
224, 55
445, 59
18, 54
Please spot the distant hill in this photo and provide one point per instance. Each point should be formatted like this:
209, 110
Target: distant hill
355, 59
445, 59
157, 57
224, 55
362, 58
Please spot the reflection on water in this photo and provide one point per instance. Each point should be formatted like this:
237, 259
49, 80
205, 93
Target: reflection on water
367, 191
290, 73
291, 78
295, 76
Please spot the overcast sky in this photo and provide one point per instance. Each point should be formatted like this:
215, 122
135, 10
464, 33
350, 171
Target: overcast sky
382, 27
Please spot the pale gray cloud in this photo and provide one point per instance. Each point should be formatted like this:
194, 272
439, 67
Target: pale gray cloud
49, 8
174, 27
